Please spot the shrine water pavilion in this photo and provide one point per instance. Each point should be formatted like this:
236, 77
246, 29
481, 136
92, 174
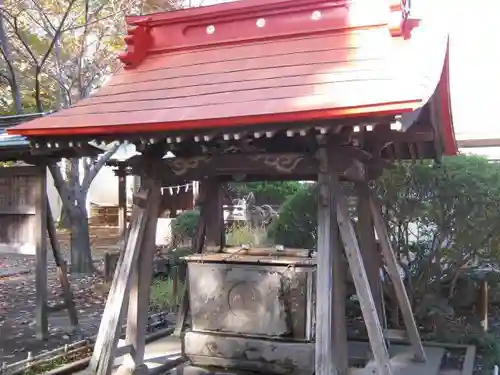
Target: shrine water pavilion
325, 90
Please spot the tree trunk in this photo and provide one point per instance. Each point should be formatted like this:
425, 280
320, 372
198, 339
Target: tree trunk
64, 221
81, 253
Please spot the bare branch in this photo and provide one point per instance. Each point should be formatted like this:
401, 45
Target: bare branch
45, 18
13, 22
101, 161
60, 185
57, 32
83, 48
87, 164
96, 21
12, 76
5, 76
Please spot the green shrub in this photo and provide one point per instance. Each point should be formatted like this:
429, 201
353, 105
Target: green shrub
297, 223
164, 297
184, 225
267, 192
244, 234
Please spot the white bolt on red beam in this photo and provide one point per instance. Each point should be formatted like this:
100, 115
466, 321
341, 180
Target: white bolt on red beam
396, 125
316, 15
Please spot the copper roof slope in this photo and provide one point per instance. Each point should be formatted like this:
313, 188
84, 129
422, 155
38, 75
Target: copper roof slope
260, 61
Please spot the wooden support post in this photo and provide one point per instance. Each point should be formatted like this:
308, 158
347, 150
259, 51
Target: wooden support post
212, 195
331, 335
41, 311
483, 304
399, 288
110, 328
140, 291
122, 198
369, 249
62, 272
363, 289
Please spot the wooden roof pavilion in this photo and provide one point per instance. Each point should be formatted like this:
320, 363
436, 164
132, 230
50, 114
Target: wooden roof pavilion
239, 70
263, 89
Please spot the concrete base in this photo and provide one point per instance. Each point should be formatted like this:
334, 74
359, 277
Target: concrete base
126, 370
402, 362
167, 349
158, 353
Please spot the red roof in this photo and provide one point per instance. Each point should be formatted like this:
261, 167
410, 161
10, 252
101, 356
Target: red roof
264, 61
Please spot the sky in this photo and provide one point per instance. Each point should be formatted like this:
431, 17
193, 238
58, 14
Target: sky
474, 68
475, 71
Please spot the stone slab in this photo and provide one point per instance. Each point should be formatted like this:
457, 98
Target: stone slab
157, 354
402, 362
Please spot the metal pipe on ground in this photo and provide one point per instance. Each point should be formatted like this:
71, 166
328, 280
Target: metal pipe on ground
44, 357
81, 364
64, 349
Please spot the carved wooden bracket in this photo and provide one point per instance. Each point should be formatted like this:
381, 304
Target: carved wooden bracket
138, 42
349, 164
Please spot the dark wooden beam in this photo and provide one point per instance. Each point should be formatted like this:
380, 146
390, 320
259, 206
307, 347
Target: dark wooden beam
242, 166
122, 198
215, 233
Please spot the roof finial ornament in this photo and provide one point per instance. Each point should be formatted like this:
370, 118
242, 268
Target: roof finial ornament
138, 41
401, 23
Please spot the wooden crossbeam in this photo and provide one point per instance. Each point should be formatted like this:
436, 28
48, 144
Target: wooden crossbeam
360, 278
399, 288
262, 164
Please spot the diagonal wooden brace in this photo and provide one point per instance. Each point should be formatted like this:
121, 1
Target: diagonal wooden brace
138, 307
360, 279
399, 288
111, 322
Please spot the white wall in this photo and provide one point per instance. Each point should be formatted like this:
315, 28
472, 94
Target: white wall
54, 198
103, 191
104, 188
